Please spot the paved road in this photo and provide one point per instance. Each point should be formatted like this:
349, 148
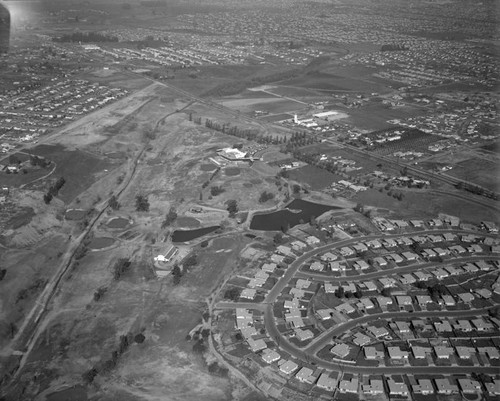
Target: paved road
325, 337
397, 270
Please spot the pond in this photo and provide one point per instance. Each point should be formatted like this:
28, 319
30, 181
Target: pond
188, 235
101, 243
75, 214
118, 222
76, 393
297, 212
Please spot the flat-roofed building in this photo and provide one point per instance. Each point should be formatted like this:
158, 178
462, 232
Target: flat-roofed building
481, 325
361, 339
324, 314
465, 352
387, 282
397, 353
404, 300
248, 293
493, 388
490, 352
443, 352
466, 297
303, 335
340, 350
448, 300
378, 332
403, 327
469, 386
288, 367
443, 327
346, 308
256, 345
270, 356
420, 352
423, 300
407, 279
396, 388
462, 325
365, 303
375, 387
349, 386
424, 387
317, 266
445, 387
372, 354
305, 375
326, 382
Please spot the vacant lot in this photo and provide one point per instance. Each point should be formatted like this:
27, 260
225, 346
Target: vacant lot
314, 177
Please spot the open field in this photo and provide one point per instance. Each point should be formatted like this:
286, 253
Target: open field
423, 205
273, 105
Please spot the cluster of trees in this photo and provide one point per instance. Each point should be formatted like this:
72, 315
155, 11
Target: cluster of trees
121, 266
298, 140
265, 196
53, 190
177, 272
232, 293
113, 203
141, 203
216, 190
169, 218
86, 37
215, 369
232, 207
124, 343
38, 161
475, 189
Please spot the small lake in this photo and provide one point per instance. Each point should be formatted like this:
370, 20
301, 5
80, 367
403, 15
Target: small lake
188, 235
101, 243
118, 222
295, 212
75, 214
77, 393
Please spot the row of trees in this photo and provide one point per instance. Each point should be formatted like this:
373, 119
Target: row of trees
124, 343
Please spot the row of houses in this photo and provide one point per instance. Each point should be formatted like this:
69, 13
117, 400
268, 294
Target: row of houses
440, 352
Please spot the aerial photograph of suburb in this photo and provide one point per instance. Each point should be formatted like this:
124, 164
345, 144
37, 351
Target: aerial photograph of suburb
249, 200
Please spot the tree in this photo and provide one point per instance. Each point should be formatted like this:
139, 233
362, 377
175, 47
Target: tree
296, 189
232, 207
278, 239
232, 294
139, 338
176, 274
265, 196
169, 218
113, 203
141, 203
216, 190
